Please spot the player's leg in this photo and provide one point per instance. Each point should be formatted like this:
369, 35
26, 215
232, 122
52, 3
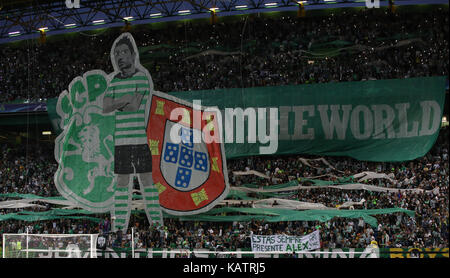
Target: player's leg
122, 203
151, 198
143, 165
123, 193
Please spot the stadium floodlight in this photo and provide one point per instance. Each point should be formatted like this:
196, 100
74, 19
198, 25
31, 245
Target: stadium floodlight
97, 22
214, 9
241, 7
71, 25
128, 18
12, 34
46, 133
271, 4
444, 121
157, 14
184, 11
43, 29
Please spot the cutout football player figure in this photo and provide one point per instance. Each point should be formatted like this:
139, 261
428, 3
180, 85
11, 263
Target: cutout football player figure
128, 96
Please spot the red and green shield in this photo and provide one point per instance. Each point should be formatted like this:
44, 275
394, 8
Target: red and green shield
188, 157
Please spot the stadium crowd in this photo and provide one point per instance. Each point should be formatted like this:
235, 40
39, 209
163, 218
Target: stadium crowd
429, 227
25, 169
35, 72
253, 51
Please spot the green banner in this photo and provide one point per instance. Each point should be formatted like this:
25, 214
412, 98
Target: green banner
43, 217
29, 196
225, 214
382, 120
53, 115
281, 215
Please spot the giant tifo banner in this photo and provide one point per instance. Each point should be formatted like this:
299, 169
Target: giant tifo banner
117, 130
379, 120
285, 243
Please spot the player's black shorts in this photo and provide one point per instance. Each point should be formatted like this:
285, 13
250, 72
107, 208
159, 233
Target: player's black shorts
125, 157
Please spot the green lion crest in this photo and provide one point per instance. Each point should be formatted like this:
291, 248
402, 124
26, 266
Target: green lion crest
85, 148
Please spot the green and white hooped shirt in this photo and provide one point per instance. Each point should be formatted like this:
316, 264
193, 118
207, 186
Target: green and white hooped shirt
131, 126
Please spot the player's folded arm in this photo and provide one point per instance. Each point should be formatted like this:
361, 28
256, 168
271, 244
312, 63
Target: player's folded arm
135, 101
110, 104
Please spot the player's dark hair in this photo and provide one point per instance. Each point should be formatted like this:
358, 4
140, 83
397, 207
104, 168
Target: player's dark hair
126, 41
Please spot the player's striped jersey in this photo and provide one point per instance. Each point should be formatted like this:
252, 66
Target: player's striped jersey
130, 126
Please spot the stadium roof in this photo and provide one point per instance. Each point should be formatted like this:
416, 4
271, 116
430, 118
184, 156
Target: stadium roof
22, 19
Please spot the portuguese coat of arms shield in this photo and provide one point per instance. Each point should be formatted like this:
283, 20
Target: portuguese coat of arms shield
190, 174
